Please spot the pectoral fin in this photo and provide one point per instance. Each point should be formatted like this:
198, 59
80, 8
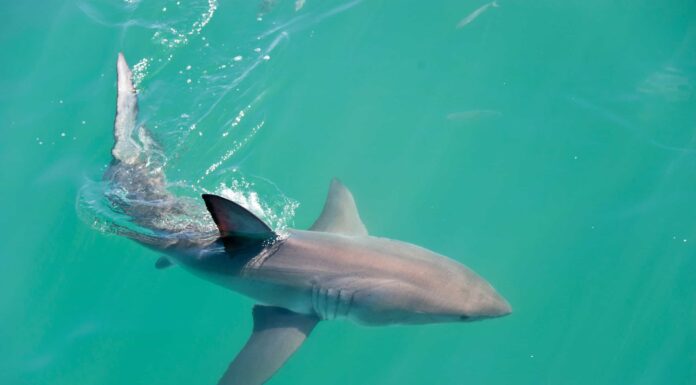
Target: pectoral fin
340, 215
278, 332
163, 263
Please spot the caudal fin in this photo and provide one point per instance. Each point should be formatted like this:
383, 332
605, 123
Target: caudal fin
125, 148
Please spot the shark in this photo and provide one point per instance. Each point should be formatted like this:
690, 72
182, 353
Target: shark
333, 270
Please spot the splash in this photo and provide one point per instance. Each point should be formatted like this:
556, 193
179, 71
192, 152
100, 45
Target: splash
236, 146
173, 37
198, 25
99, 203
140, 71
277, 213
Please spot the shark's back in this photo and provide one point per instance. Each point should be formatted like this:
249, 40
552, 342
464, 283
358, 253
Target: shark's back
323, 255
369, 280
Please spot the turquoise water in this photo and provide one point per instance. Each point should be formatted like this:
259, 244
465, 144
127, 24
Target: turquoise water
550, 147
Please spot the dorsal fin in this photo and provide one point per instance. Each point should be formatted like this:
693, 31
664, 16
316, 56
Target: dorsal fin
234, 220
340, 215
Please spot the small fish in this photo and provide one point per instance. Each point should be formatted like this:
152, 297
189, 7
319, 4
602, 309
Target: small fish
473, 15
669, 83
266, 6
472, 115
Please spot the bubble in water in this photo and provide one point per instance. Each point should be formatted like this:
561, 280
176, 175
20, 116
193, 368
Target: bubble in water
140, 71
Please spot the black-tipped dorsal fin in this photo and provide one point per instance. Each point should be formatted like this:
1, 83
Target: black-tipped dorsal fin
340, 215
234, 220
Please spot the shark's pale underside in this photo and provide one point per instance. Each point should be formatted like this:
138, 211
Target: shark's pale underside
334, 270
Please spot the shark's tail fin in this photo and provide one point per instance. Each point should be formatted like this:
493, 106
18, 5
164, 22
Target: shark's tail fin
137, 164
132, 143
125, 149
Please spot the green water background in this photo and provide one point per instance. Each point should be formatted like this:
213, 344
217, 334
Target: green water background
550, 146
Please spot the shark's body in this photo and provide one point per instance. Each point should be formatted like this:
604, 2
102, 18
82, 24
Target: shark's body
334, 270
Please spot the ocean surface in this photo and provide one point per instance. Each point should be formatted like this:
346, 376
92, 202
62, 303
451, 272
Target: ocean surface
550, 146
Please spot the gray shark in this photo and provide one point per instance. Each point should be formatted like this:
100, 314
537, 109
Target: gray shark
333, 270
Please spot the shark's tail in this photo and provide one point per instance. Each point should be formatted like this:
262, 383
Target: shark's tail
125, 148
136, 178
136, 171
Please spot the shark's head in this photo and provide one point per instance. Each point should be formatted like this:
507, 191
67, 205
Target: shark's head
472, 298
453, 292
457, 294
431, 288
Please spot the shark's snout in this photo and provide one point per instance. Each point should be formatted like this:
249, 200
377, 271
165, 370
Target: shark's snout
501, 307
483, 301
494, 305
